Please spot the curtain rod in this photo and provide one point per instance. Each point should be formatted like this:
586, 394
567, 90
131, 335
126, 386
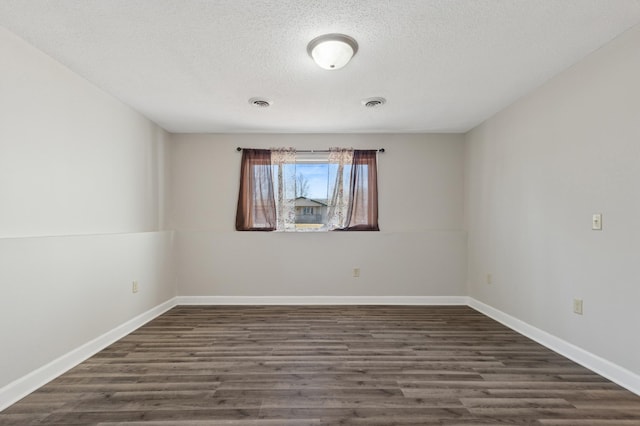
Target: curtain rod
312, 150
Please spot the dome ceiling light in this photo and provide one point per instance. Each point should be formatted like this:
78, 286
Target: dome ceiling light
332, 51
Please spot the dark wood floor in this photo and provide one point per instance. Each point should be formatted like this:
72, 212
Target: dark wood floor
302, 365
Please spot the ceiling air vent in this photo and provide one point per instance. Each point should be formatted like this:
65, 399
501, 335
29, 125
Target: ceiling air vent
374, 102
260, 102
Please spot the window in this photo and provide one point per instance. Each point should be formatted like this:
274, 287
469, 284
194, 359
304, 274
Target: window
285, 190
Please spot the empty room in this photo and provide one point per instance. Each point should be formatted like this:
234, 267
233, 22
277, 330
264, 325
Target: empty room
296, 212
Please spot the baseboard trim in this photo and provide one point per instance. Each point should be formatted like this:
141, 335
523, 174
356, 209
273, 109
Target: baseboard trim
322, 300
617, 374
18, 389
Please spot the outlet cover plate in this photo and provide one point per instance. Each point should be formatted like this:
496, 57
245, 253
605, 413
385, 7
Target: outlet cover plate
577, 306
596, 222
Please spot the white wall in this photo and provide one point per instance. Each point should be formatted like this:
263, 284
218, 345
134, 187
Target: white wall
420, 251
535, 174
82, 197
74, 160
59, 293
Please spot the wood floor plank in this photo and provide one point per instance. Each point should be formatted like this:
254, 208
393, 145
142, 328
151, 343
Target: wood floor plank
326, 365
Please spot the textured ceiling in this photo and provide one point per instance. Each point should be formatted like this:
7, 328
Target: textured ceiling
192, 65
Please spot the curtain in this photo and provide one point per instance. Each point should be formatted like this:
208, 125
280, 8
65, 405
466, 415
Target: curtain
362, 214
267, 197
256, 202
284, 166
340, 160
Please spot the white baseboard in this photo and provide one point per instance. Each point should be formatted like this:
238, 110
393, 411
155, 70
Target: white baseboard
20, 388
322, 300
601, 366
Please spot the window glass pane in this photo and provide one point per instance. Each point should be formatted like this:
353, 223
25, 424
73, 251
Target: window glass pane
311, 188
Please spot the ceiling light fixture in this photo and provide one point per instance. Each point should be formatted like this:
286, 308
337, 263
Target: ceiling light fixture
332, 51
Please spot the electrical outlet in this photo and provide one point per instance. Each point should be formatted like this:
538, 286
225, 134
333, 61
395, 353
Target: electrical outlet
577, 306
134, 287
489, 279
356, 272
596, 222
